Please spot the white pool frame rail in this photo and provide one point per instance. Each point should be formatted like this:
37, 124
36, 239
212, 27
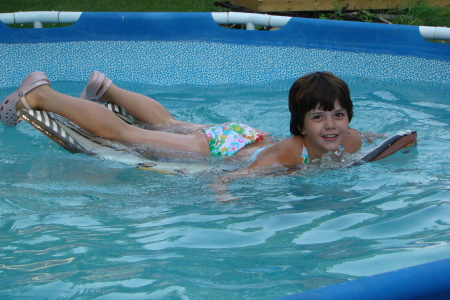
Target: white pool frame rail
39, 17
438, 33
221, 18
250, 20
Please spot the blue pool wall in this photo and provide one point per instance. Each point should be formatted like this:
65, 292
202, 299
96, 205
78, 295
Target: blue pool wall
190, 48
427, 281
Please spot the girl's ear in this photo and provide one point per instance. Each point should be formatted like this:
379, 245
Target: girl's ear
302, 130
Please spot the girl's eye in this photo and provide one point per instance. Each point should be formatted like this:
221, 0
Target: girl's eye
340, 115
317, 117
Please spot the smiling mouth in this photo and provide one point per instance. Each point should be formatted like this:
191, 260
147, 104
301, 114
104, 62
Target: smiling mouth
330, 136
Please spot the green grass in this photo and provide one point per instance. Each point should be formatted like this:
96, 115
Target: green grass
421, 12
110, 5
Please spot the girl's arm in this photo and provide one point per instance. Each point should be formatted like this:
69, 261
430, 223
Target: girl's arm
352, 141
266, 164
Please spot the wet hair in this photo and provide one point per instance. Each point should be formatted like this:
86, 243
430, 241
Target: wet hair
317, 90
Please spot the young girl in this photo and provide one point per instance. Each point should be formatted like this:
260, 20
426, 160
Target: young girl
320, 106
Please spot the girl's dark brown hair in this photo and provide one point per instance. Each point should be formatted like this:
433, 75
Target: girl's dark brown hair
317, 90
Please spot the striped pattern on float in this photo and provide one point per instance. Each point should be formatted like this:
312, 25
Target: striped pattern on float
120, 112
42, 121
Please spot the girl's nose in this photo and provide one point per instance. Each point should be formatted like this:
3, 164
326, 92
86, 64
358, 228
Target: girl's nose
330, 123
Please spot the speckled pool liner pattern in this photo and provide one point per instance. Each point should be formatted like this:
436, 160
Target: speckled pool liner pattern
203, 63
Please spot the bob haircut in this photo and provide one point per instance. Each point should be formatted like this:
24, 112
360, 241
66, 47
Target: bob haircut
317, 90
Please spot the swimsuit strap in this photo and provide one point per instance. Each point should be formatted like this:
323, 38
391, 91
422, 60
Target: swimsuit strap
305, 156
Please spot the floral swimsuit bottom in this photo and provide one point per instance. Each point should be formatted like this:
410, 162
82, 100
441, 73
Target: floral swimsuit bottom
228, 138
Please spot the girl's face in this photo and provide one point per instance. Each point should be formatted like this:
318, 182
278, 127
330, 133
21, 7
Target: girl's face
324, 131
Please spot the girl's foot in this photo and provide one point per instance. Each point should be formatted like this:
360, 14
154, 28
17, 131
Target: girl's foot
8, 108
96, 87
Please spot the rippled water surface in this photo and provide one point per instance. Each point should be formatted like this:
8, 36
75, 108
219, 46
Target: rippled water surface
78, 226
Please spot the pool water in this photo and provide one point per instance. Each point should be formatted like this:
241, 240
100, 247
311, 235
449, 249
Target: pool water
75, 226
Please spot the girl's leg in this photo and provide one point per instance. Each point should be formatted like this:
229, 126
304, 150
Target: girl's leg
141, 107
148, 110
101, 121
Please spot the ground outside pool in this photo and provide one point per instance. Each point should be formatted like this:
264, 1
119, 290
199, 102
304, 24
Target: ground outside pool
76, 226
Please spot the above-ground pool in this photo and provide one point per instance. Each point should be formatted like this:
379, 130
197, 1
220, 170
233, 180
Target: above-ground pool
78, 226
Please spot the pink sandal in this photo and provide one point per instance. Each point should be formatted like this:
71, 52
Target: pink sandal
8, 112
96, 87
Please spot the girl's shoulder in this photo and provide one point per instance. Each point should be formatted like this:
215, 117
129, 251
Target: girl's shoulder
291, 144
352, 141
